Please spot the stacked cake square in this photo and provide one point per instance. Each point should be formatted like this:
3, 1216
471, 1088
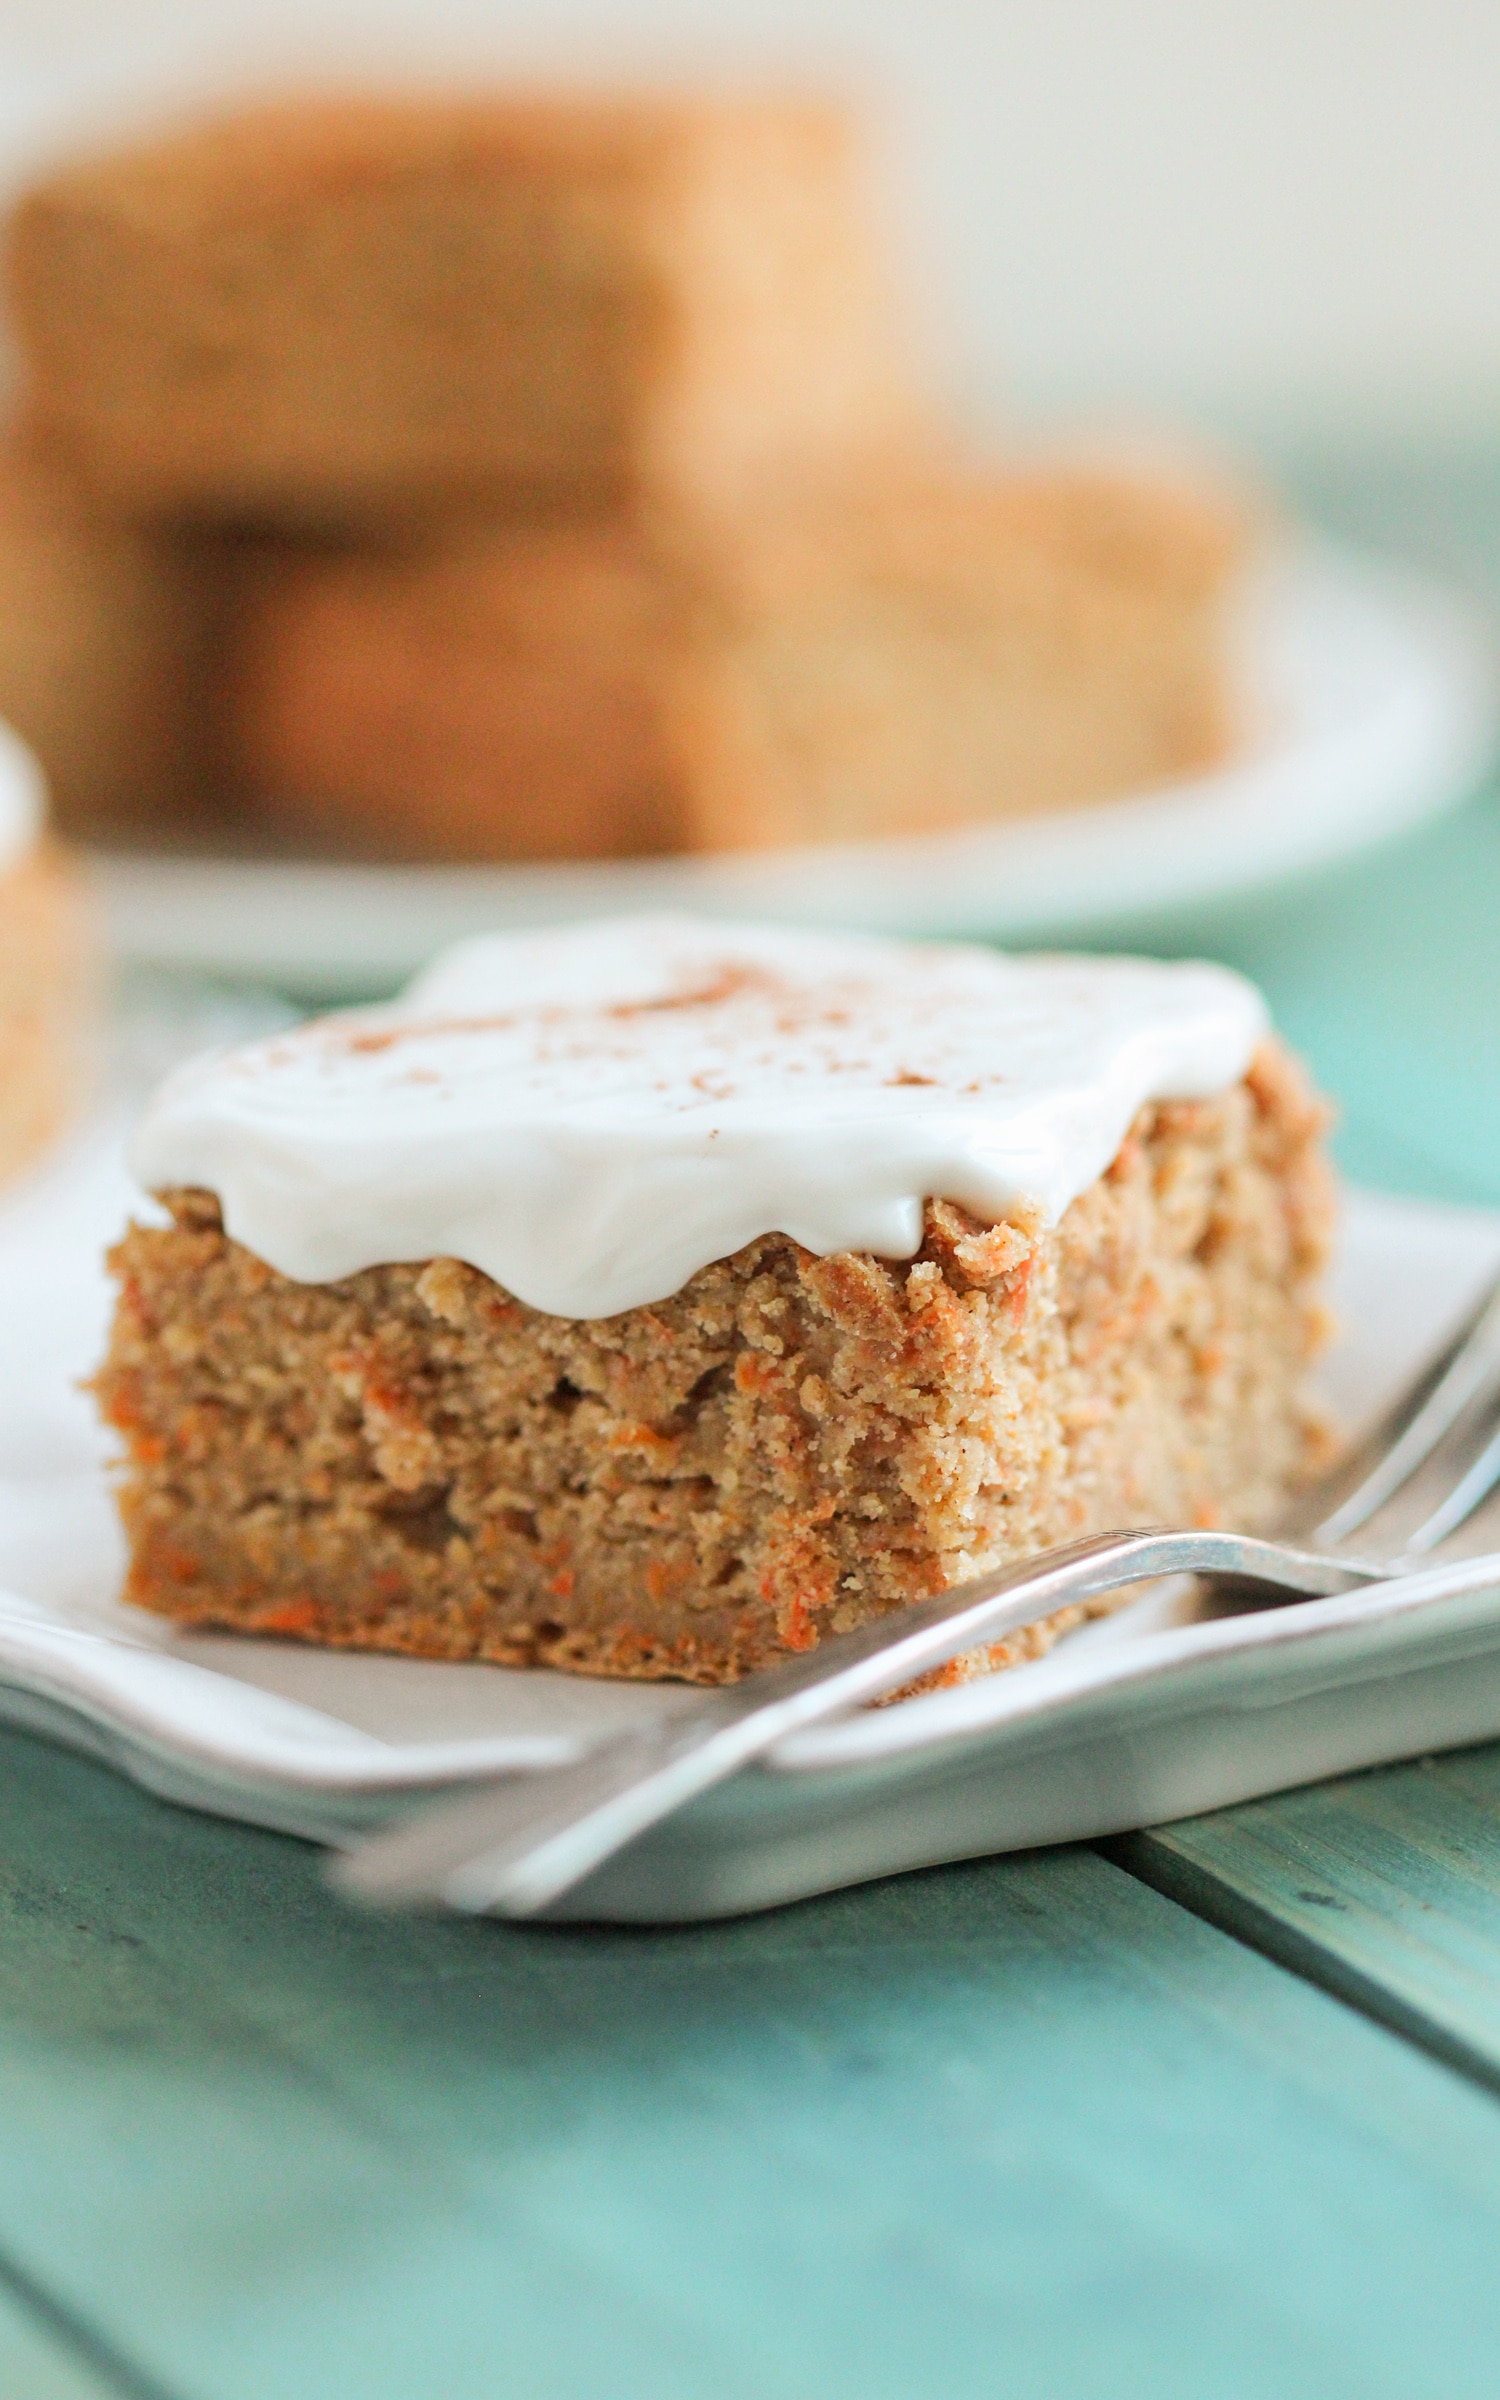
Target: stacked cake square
533, 477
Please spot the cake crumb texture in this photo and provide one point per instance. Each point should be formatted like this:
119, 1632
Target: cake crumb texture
412, 1460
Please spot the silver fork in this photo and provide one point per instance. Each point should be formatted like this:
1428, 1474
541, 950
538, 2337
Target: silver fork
516, 1845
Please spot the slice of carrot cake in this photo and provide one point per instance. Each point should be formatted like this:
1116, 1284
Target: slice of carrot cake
324, 311
653, 1297
851, 657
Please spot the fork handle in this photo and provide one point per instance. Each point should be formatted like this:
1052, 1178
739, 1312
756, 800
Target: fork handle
515, 1846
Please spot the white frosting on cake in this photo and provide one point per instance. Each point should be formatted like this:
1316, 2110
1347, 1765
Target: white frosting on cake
23, 796
592, 1114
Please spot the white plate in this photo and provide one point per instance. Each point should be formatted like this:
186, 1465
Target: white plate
23, 798
1377, 697
1144, 1717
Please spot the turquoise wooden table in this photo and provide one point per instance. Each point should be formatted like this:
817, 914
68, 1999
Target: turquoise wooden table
1213, 2115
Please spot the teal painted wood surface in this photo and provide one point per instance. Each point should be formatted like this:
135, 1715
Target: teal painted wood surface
1383, 1887
1021, 2128
40, 2362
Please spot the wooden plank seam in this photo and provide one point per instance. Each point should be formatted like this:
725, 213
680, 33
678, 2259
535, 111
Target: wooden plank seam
1155, 1858
117, 2375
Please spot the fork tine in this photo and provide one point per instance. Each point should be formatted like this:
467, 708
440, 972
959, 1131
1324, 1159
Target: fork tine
1467, 1497
1456, 1477
1465, 1373
1477, 1532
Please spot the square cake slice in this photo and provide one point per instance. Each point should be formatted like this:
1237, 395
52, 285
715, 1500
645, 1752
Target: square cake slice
852, 657
654, 1298
308, 312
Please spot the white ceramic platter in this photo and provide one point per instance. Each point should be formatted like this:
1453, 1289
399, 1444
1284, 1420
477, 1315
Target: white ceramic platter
1144, 1717
1375, 694
23, 798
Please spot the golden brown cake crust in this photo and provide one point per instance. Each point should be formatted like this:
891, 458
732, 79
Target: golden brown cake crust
316, 311
850, 658
943, 648
106, 634
412, 1460
493, 693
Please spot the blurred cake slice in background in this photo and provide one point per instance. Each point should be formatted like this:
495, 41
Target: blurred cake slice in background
949, 650
49, 971
500, 692
843, 660
319, 311
514, 478
106, 641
